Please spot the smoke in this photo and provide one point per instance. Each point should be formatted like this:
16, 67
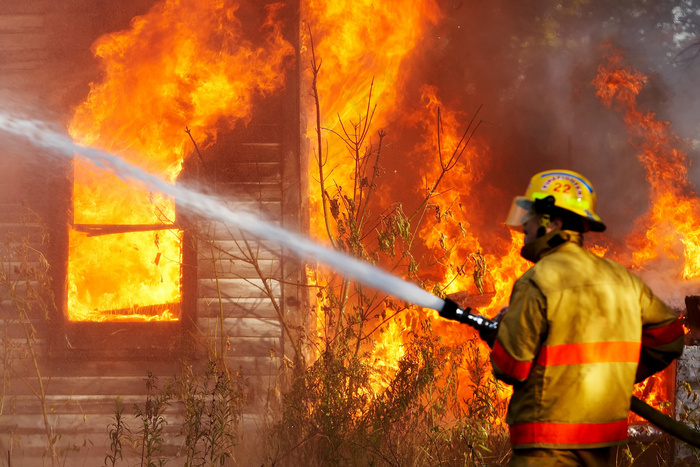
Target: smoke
660, 277
19, 161
530, 66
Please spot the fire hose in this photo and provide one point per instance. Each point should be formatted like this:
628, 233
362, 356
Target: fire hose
487, 330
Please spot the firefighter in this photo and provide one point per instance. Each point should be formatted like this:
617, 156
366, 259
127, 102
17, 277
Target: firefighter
579, 331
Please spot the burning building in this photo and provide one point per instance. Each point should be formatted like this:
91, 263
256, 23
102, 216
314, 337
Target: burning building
224, 96
140, 285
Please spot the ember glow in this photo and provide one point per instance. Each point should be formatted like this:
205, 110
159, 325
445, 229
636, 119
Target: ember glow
185, 65
460, 263
350, 70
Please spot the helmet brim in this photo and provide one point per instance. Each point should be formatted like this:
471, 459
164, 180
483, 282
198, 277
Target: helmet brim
523, 209
594, 225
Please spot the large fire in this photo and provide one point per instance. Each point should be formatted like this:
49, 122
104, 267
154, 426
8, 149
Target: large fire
184, 66
447, 160
461, 256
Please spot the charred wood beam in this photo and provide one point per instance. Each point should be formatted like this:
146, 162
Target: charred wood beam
146, 310
94, 230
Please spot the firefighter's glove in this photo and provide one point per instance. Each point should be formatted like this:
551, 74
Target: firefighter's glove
489, 335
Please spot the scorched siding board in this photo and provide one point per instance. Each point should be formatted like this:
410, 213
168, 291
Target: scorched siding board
24, 43
104, 385
244, 327
239, 294
235, 243
241, 307
241, 268
236, 287
245, 192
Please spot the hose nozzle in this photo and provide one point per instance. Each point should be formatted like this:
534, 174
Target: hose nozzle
487, 328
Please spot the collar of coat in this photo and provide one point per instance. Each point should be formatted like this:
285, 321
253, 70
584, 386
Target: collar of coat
549, 243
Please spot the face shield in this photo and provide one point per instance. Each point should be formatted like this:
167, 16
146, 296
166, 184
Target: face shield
521, 211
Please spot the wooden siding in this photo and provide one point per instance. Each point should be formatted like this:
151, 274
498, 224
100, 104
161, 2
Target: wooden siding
239, 285
239, 277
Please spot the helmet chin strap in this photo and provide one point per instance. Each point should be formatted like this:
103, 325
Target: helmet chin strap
543, 207
544, 223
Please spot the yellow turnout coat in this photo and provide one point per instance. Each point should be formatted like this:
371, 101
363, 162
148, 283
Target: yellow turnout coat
580, 330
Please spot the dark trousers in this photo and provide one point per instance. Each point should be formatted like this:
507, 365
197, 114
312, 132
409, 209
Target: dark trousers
602, 457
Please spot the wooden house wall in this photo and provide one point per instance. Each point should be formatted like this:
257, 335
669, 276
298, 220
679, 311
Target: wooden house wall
62, 381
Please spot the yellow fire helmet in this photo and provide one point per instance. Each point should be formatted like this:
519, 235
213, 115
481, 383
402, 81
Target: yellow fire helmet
570, 190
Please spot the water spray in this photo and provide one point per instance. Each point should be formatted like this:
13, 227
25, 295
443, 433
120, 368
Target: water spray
62, 145
41, 135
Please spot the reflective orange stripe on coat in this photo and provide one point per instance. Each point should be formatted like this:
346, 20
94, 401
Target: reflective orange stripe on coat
567, 433
589, 352
507, 364
663, 335
568, 354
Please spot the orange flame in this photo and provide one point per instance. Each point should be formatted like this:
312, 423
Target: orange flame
672, 225
348, 68
186, 64
459, 262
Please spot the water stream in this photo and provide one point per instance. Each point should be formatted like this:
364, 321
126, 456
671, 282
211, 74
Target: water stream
59, 144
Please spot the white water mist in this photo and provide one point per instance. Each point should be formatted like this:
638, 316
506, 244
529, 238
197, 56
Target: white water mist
42, 135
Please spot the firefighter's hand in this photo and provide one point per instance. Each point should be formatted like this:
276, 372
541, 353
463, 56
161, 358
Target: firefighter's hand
489, 335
